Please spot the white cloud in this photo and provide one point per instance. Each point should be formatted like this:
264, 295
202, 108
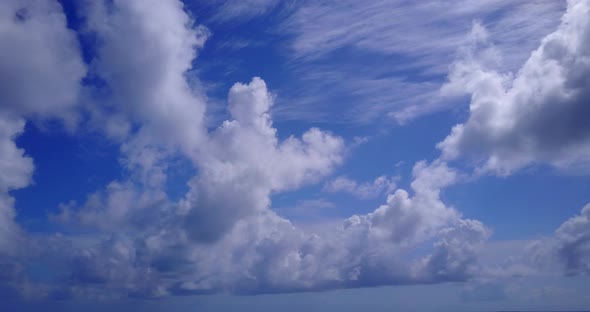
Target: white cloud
16, 169
33, 84
264, 253
540, 115
456, 251
565, 252
40, 72
573, 238
10, 232
120, 205
380, 185
394, 54
407, 219
243, 162
236, 10
144, 52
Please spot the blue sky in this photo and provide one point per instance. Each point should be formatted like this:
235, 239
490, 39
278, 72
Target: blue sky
295, 155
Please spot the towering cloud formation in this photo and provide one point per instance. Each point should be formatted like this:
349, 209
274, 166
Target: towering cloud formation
243, 162
144, 50
539, 116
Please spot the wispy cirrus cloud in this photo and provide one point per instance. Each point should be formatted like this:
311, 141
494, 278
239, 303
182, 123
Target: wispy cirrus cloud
389, 58
537, 116
366, 190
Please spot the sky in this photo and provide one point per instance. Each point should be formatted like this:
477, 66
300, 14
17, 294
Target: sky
256, 155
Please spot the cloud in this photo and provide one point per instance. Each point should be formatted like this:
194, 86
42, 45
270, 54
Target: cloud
262, 252
16, 170
539, 116
243, 162
395, 28
407, 219
28, 78
365, 250
380, 185
394, 54
233, 10
456, 252
149, 86
564, 253
572, 240
40, 73
120, 205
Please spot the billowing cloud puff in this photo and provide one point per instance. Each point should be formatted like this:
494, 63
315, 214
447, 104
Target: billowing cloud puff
565, 252
119, 205
16, 170
573, 238
540, 115
243, 162
144, 51
455, 254
265, 253
406, 219
37, 84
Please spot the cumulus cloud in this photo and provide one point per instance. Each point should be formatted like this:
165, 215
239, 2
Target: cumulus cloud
380, 185
573, 238
143, 55
243, 162
265, 253
233, 10
455, 253
33, 84
16, 170
40, 73
565, 252
120, 205
407, 219
537, 116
